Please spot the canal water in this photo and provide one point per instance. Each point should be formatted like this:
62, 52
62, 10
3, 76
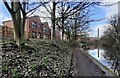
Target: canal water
100, 54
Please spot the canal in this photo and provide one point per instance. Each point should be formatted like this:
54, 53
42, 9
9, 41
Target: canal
105, 56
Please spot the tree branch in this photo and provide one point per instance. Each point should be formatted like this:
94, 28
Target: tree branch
36, 7
8, 7
46, 8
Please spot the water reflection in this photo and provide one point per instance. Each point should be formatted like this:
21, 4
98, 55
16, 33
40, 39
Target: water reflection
98, 52
99, 55
113, 54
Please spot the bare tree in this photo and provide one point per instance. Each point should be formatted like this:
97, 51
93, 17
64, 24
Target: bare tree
19, 11
68, 9
111, 39
52, 11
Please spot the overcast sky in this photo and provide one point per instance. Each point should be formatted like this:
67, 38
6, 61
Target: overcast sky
101, 12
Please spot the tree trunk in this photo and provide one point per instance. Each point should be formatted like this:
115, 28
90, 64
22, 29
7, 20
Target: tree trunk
68, 33
53, 21
62, 26
23, 24
63, 19
75, 30
17, 23
23, 28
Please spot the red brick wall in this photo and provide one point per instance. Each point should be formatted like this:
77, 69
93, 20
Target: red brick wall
7, 32
48, 31
9, 24
39, 28
57, 34
0, 32
29, 29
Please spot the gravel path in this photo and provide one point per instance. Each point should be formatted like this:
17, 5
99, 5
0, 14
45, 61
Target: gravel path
85, 66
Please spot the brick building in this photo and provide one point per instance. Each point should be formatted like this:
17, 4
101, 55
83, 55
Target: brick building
0, 32
34, 28
7, 32
46, 31
58, 33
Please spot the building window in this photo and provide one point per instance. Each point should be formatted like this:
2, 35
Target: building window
44, 29
40, 35
34, 25
34, 35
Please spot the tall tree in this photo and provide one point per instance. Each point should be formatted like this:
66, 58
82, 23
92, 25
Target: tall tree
111, 40
52, 11
19, 11
15, 12
53, 18
68, 9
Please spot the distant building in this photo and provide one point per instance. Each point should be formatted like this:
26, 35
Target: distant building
93, 39
46, 31
7, 32
34, 28
58, 33
0, 32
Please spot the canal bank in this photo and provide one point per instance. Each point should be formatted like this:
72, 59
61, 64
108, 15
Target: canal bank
85, 66
106, 70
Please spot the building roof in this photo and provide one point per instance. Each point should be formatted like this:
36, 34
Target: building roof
27, 18
6, 21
